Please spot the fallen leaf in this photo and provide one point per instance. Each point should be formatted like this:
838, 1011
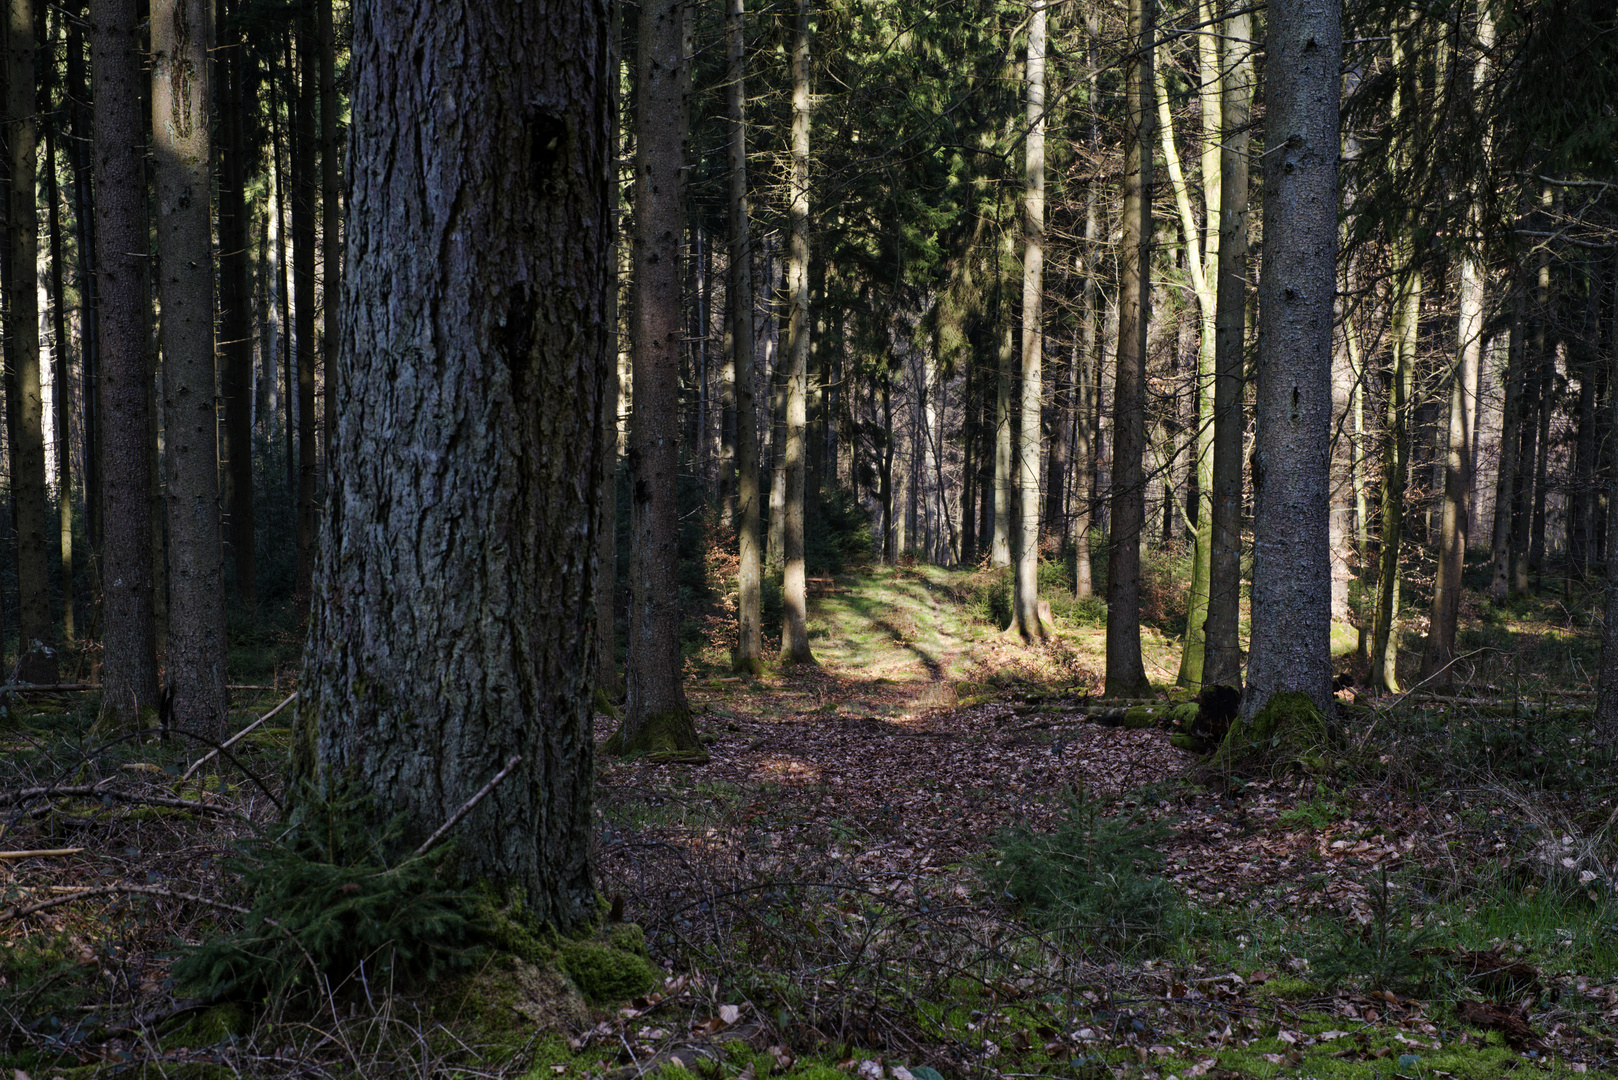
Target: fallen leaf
730, 1013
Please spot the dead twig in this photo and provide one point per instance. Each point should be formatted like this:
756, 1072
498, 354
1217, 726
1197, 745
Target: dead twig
112, 890
228, 743
42, 853
466, 807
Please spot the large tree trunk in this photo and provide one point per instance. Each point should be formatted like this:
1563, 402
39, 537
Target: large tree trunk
78, 149
451, 629
36, 623
1126, 673
1025, 594
182, 33
657, 718
750, 570
129, 665
1606, 712
1291, 642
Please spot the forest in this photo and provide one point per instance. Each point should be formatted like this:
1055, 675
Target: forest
809, 538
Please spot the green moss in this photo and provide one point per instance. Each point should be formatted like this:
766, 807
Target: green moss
1183, 715
210, 1027
1139, 717
1189, 743
628, 937
1289, 728
508, 925
669, 737
606, 974
1285, 988
502, 1004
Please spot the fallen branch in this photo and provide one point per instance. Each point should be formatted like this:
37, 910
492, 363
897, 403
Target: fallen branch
112, 890
42, 853
228, 743
9, 798
466, 807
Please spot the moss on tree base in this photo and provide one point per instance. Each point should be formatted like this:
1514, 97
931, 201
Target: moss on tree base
1290, 728
669, 738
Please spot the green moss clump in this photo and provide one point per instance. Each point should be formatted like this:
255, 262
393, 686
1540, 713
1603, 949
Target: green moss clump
1139, 717
667, 737
629, 938
605, 974
1183, 715
505, 922
1289, 728
210, 1027
506, 1000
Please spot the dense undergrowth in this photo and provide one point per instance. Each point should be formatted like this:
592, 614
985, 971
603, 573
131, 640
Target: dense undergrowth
1436, 899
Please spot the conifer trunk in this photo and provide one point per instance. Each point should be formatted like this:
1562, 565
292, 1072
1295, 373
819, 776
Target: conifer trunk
750, 571
451, 626
1126, 672
794, 598
1025, 595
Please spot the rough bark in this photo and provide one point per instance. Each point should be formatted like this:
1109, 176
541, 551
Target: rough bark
1025, 594
794, 597
750, 570
182, 33
608, 685
657, 718
1291, 638
36, 622
1126, 673
78, 151
451, 621
1606, 710
129, 665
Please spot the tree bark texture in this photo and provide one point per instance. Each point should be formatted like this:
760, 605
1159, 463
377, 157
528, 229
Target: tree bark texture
129, 665
1126, 672
1222, 658
452, 619
794, 596
1025, 605
61, 353
657, 716
1291, 639
182, 33
331, 217
36, 621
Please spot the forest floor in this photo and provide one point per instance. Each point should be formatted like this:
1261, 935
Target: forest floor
935, 853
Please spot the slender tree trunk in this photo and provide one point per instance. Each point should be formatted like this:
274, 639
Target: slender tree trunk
236, 375
456, 577
657, 718
331, 218
794, 599
608, 685
750, 571
182, 33
1000, 543
1505, 497
78, 150
129, 665
305, 192
1438, 665
1025, 595
1222, 660
1606, 711
36, 623
61, 353
1291, 641
1126, 673
1396, 470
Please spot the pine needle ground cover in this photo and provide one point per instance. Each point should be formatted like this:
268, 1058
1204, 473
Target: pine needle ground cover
931, 856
